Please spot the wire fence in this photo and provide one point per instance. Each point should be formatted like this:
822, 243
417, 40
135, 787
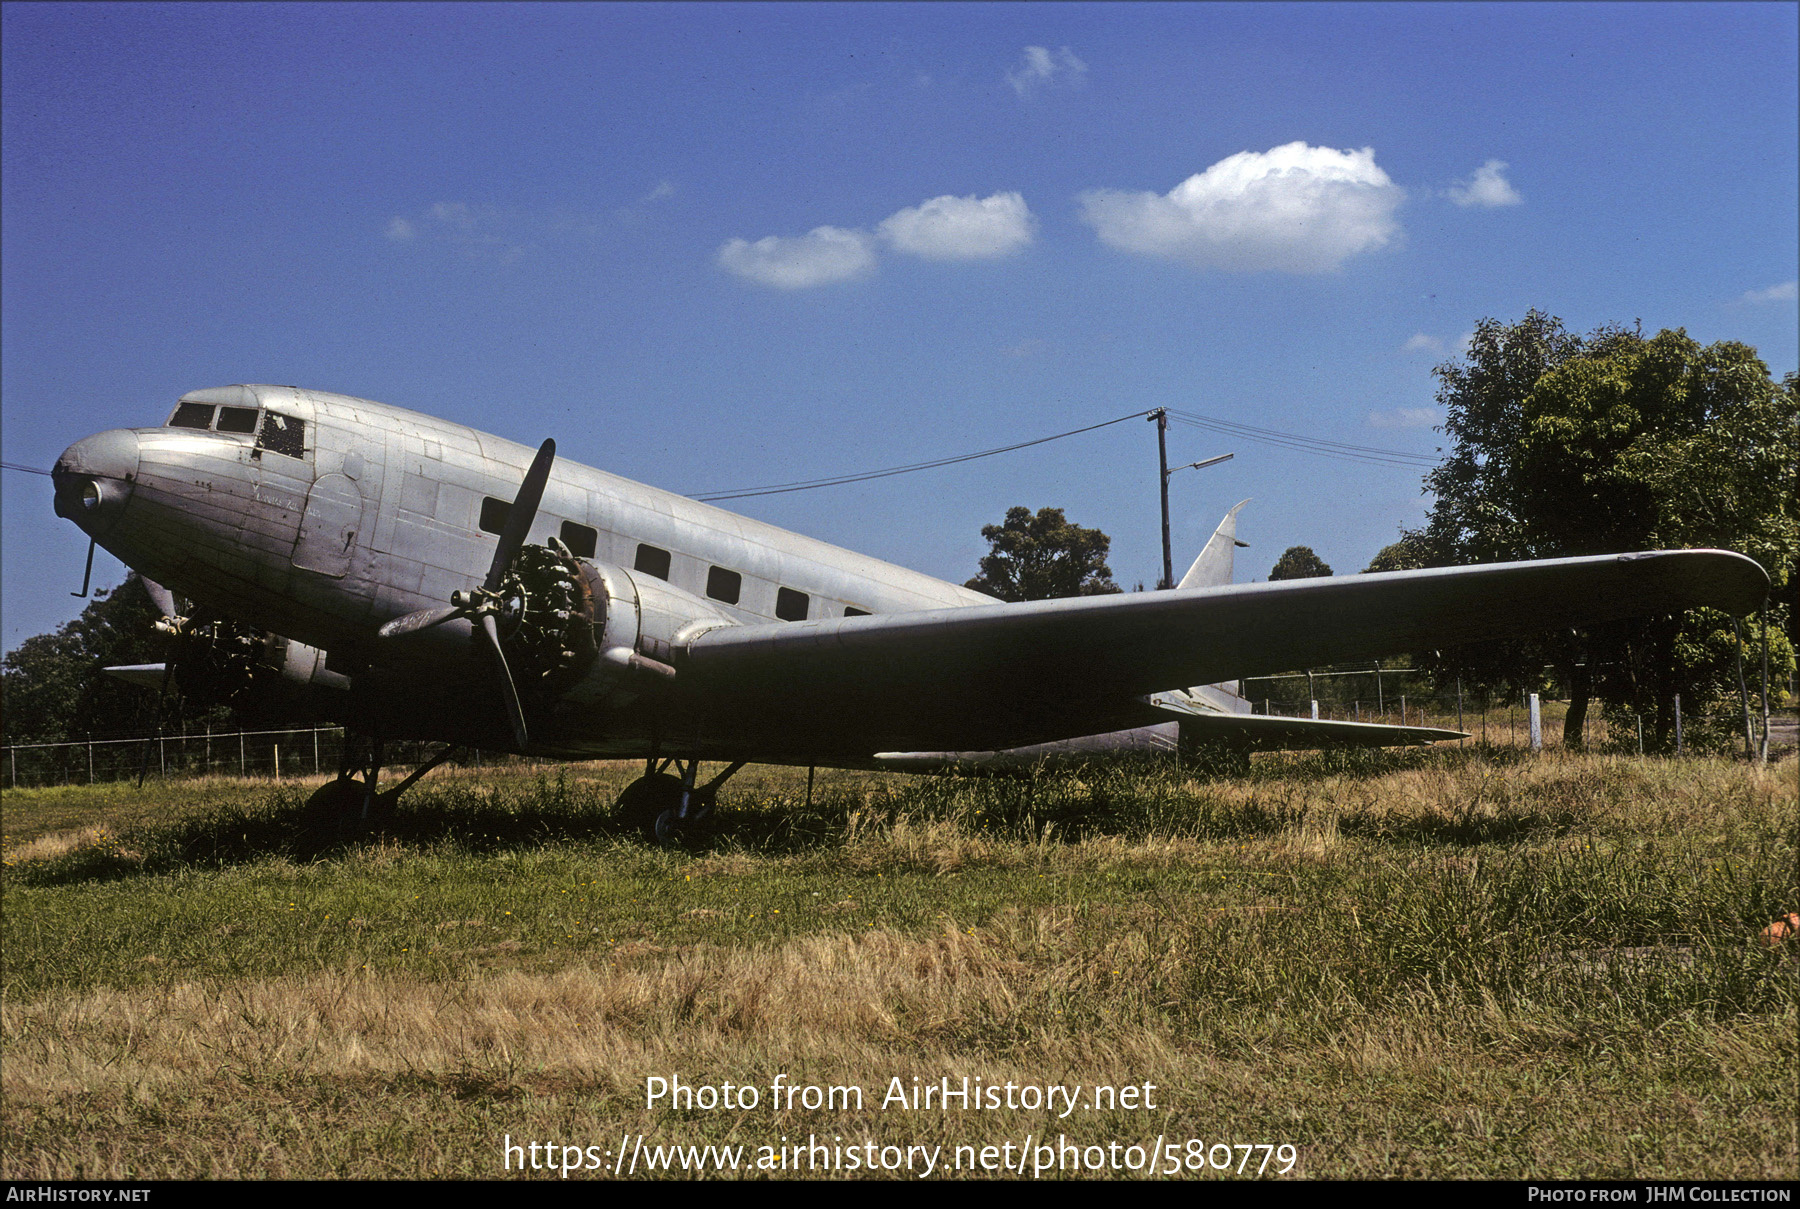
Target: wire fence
318, 750
1400, 696
273, 754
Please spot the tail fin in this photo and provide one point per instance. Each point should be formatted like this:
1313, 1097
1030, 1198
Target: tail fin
1213, 568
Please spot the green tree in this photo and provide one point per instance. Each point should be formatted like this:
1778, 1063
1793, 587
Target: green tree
1407, 554
1298, 562
1043, 557
1564, 445
52, 682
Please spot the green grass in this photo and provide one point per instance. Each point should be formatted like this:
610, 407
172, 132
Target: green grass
1444, 963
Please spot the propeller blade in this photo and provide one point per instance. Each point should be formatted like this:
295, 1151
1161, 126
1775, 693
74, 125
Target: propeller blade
514, 712
144, 675
160, 596
412, 623
524, 511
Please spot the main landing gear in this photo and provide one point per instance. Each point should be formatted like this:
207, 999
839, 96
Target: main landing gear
354, 800
667, 809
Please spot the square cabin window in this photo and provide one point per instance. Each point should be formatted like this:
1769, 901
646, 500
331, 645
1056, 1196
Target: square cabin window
580, 539
493, 514
652, 561
724, 585
791, 605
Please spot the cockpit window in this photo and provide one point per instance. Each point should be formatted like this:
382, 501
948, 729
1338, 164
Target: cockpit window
281, 434
237, 419
192, 415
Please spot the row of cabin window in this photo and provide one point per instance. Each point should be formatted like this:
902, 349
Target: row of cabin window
722, 585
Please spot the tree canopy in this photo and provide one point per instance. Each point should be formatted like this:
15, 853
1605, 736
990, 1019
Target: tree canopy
1565, 445
53, 686
1407, 554
1299, 562
1043, 557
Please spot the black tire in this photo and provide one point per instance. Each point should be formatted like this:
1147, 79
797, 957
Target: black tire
650, 806
645, 802
336, 809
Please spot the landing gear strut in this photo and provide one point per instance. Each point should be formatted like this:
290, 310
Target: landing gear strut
665, 808
351, 802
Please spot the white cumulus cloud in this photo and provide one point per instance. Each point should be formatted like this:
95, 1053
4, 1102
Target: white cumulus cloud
820, 257
1040, 68
961, 228
1488, 187
1787, 291
400, 229
1291, 209
1420, 341
1406, 417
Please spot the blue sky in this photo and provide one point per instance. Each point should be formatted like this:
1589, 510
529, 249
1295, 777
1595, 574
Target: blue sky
716, 246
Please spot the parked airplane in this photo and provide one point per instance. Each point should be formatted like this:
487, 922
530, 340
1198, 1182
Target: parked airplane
453, 586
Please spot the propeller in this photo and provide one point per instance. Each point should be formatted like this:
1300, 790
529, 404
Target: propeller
485, 605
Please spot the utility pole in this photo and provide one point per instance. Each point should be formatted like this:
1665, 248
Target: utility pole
1162, 465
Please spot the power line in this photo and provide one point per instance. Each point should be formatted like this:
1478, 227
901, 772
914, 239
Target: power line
1315, 445
840, 480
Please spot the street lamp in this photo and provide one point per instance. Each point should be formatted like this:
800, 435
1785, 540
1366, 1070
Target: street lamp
1162, 460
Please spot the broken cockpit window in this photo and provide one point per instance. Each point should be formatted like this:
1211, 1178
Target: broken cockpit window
281, 434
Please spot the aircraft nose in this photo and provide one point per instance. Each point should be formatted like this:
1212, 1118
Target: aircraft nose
93, 478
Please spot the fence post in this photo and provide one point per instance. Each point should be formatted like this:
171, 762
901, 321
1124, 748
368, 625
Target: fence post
278, 761
1677, 725
90, 757
240, 753
1537, 724
315, 751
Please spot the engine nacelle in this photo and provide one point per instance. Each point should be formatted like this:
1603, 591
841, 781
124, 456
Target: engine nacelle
228, 663
593, 636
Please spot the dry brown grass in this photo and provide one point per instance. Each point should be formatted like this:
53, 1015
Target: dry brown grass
1350, 961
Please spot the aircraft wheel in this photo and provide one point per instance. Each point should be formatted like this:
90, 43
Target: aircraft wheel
337, 807
651, 806
645, 802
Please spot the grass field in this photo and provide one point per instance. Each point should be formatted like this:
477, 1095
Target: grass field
1448, 963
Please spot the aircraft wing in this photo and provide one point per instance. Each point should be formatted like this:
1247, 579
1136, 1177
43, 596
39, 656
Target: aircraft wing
1009, 675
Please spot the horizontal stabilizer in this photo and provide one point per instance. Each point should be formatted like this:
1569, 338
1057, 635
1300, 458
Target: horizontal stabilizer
1267, 732
144, 675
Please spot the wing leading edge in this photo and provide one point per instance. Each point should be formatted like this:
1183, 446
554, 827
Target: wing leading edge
1009, 675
